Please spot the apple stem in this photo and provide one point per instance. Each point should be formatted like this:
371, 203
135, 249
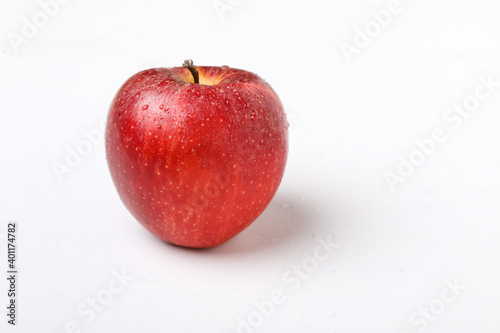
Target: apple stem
194, 72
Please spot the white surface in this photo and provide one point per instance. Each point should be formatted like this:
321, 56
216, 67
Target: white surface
350, 123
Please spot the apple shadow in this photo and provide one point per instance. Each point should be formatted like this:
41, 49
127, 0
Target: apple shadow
286, 220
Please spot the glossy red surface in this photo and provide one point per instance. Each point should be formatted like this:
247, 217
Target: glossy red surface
196, 163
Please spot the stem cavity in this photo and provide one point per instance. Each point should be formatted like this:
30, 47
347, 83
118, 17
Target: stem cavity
194, 72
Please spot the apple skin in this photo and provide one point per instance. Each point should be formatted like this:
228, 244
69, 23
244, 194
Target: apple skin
196, 164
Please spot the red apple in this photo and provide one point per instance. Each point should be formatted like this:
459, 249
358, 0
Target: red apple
196, 153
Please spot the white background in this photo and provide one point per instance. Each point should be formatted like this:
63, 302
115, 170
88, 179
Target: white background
353, 119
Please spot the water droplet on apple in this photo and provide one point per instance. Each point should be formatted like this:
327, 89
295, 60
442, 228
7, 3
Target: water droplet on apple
159, 126
253, 115
161, 107
224, 67
145, 107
